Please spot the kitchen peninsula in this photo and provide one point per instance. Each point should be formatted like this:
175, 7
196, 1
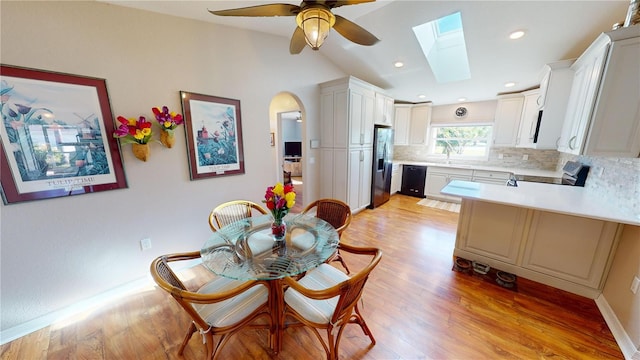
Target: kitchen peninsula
562, 236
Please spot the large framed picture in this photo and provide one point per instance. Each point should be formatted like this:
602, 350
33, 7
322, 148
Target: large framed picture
56, 136
213, 129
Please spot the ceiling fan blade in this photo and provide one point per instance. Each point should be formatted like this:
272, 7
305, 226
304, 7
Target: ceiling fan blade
354, 32
297, 41
261, 10
338, 3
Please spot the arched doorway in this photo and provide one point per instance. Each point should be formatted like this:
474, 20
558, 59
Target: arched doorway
288, 130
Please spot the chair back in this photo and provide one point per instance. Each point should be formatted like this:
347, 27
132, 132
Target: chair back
335, 212
351, 289
233, 211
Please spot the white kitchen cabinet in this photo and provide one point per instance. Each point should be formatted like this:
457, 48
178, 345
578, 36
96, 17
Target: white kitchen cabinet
359, 178
569, 247
603, 115
347, 112
555, 87
396, 178
439, 177
497, 236
528, 119
401, 124
385, 111
419, 124
572, 253
491, 177
507, 120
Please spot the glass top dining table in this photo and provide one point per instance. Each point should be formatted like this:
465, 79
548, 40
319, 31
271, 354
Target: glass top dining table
246, 249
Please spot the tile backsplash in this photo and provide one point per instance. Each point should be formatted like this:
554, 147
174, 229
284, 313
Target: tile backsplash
511, 157
617, 179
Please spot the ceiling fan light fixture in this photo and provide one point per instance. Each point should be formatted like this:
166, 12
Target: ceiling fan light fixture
315, 21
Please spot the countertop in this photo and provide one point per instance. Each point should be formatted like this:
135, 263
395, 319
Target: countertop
515, 171
570, 200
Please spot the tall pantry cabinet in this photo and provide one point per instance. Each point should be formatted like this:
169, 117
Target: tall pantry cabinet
347, 113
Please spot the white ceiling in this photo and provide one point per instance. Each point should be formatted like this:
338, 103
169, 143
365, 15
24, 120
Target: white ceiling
555, 30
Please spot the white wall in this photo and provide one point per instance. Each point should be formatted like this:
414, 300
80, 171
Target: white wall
59, 251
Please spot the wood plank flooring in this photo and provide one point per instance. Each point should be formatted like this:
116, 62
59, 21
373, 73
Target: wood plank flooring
415, 305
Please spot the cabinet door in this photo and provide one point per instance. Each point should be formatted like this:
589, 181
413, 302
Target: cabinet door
364, 198
396, 178
367, 120
401, 125
497, 236
615, 129
572, 248
384, 110
435, 183
528, 120
359, 178
326, 173
356, 117
326, 120
507, 121
588, 72
419, 125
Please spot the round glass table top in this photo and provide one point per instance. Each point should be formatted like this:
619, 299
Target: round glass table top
246, 249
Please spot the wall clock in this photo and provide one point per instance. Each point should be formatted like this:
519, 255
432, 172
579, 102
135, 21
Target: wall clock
461, 112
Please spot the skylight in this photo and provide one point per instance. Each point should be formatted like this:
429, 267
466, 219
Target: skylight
442, 42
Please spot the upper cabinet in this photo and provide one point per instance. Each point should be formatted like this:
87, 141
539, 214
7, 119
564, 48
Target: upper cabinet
507, 120
528, 119
346, 112
412, 124
385, 110
419, 124
555, 87
401, 124
603, 112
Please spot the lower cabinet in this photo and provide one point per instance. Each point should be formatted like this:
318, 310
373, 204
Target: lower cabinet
569, 247
346, 175
396, 178
567, 252
439, 177
496, 236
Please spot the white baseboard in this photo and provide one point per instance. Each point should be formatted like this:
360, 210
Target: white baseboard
627, 347
38, 323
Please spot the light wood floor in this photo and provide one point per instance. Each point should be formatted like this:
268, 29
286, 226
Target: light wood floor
415, 305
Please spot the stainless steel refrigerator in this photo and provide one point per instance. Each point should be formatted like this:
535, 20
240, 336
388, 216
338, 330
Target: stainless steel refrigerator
382, 165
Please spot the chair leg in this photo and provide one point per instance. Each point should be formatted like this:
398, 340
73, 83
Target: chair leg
357, 318
338, 257
187, 337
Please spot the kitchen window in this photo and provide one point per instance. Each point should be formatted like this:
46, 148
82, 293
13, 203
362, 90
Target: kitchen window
467, 142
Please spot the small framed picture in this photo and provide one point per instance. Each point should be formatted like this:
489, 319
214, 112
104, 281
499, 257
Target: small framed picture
272, 139
213, 128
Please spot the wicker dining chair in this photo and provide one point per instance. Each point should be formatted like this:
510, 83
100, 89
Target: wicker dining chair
327, 299
335, 212
232, 211
221, 307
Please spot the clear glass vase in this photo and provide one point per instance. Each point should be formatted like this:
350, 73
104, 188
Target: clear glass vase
278, 229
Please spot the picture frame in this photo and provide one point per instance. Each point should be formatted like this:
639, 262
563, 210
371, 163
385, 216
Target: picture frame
56, 136
213, 130
272, 139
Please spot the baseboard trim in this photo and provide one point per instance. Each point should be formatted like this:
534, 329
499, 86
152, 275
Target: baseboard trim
627, 347
41, 322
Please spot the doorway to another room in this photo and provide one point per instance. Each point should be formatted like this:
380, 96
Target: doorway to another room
292, 153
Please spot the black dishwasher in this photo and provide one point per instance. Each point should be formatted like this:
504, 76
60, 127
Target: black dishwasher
413, 180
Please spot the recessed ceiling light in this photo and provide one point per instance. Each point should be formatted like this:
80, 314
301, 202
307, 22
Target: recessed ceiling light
516, 34
510, 84
422, 96
462, 99
398, 64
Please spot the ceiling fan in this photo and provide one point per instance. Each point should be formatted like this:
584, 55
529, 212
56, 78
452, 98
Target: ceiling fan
314, 20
